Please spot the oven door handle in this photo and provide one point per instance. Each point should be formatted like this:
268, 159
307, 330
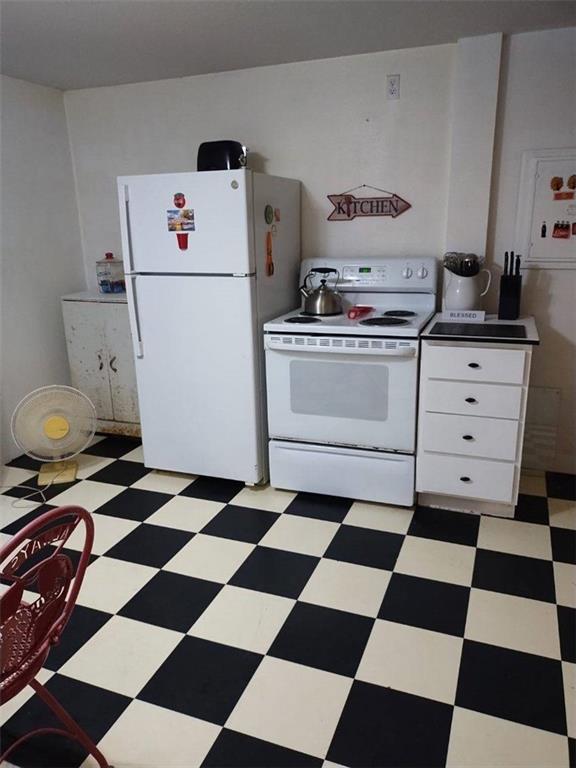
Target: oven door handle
367, 351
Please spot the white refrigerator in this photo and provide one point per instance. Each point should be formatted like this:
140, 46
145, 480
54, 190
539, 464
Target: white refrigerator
209, 257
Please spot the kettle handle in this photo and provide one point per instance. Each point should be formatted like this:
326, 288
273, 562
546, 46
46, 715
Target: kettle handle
485, 291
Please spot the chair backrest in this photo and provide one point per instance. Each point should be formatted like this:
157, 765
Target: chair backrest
34, 560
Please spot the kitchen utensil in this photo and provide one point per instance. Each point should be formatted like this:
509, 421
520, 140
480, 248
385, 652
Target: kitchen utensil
323, 300
358, 311
510, 290
221, 155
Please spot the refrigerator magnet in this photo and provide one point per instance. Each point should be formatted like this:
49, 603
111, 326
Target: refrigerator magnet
269, 266
276, 214
268, 214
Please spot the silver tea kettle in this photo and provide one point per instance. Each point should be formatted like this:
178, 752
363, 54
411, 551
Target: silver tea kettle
323, 300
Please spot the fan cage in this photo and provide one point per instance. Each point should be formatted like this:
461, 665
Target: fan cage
55, 400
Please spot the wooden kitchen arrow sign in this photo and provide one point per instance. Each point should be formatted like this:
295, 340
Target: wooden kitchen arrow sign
348, 207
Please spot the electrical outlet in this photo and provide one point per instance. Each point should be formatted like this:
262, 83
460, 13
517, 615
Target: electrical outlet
393, 86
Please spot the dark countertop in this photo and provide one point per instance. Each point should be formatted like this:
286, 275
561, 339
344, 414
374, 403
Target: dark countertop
492, 330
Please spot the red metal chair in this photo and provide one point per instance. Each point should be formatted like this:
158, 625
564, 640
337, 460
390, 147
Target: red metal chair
33, 560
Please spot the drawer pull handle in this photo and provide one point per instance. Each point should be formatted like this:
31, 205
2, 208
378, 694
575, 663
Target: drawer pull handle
467, 437
473, 365
471, 400
465, 479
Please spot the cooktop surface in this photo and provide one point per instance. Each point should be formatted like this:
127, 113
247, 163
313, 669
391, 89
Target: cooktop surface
479, 330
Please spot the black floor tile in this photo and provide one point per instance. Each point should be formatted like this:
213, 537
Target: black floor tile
49, 491
172, 601
378, 549
28, 517
444, 525
332, 508
567, 630
121, 473
424, 603
532, 509
276, 571
241, 523
134, 504
572, 752
232, 748
25, 462
563, 545
94, 709
514, 575
560, 485
213, 489
84, 623
512, 685
383, 728
202, 679
150, 545
114, 447
323, 638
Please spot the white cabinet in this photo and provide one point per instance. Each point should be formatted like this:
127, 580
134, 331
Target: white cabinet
100, 357
471, 424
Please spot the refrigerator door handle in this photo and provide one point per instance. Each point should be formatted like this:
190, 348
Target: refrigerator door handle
128, 228
134, 316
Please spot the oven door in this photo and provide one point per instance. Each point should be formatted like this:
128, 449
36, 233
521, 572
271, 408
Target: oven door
342, 391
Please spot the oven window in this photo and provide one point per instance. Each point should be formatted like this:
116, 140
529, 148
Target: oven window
342, 390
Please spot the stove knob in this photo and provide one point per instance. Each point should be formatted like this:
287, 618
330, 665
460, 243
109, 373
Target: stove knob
422, 272
406, 272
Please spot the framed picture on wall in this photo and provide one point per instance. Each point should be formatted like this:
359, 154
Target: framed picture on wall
546, 215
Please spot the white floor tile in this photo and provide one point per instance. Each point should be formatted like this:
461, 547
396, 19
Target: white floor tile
439, 560
88, 494
122, 656
264, 497
569, 674
11, 707
347, 587
108, 531
533, 483
210, 557
88, 465
482, 741
11, 476
109, 583
164, 482
562, 513
186, 513
379, 517
565, 580
243, 618
292, 705
413, 660
11, 509
513, 622
137, 454
147, 735
300, 534
514, 537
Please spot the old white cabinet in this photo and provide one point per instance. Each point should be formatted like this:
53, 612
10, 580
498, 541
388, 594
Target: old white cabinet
472, 410
100, 358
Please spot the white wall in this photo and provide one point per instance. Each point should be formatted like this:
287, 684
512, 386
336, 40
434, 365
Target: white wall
40, 243
538, 111
327, 123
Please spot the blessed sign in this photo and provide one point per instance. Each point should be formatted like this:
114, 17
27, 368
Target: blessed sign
347, 206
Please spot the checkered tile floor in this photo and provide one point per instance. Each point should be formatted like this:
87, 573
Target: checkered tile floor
225, 626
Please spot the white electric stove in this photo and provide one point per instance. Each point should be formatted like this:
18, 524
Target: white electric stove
342, 392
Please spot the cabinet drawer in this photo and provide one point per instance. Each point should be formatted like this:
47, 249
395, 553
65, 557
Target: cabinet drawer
459, 476
472, 399
474, 363
469, 436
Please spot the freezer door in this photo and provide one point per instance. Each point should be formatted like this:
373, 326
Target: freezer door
197, 375
194, 223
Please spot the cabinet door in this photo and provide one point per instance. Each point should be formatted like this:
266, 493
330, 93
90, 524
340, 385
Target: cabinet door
121, 370
87, 353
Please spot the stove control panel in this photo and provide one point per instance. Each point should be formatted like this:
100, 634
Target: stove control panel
393, 274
